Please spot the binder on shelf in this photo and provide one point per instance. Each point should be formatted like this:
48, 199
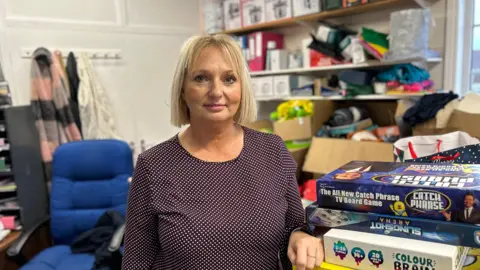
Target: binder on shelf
257, 45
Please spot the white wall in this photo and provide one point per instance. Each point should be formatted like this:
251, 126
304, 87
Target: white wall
149, 34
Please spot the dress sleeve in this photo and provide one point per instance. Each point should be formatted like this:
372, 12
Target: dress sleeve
295, 216
141, 241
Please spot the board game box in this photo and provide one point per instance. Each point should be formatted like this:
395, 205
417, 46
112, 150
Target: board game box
448, 192
451, 233
365, 251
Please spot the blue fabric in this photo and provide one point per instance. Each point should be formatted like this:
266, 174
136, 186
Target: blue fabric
404, 73
60, 258
88, 178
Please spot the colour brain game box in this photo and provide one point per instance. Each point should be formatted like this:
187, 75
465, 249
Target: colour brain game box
448, 192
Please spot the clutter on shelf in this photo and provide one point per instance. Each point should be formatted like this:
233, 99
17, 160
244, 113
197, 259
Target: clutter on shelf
333, 46
292, 109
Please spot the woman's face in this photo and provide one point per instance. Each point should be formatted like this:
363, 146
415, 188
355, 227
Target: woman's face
212, 88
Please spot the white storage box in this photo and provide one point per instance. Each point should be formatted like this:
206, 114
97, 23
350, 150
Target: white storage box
264, 87
213, 16
278, 9
305, 7
282, 85
365, 251
253, 12
278, 59
231, 14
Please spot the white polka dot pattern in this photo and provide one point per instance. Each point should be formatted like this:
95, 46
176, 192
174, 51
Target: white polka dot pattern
184, 213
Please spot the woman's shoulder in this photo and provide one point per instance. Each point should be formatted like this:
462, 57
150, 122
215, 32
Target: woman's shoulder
161, 150
262, 139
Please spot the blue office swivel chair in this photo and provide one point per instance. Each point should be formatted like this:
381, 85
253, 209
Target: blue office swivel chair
88, 178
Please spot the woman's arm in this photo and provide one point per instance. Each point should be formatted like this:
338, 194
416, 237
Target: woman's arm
141, 241
295, 216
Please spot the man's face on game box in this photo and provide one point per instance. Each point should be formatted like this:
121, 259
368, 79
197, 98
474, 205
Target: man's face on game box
348, 176
468, 201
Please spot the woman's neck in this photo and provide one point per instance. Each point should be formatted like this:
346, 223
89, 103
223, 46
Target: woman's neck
211, 135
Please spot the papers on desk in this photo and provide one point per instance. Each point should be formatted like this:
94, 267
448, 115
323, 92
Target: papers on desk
3, 234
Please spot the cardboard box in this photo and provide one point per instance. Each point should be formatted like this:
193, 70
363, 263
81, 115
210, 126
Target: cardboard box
323, 155
253, 12
278, 9
301, 7
232, 14
458, 121
326, 155
450, 233
365, 251
300, 128
431, 191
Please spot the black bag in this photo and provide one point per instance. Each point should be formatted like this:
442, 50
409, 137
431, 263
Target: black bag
469, 154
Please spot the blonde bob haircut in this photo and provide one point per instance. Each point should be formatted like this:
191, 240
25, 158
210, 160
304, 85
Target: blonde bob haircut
247, 110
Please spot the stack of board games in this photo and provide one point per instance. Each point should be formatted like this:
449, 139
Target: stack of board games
436, 203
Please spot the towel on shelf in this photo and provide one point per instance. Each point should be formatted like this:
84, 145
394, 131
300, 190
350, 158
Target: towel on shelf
50, 103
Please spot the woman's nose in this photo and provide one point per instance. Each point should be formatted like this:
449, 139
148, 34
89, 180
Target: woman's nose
216, 88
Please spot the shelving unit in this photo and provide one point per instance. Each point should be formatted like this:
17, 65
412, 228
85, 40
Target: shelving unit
369, 64
25, 165
323, 15
359, 97
23, 189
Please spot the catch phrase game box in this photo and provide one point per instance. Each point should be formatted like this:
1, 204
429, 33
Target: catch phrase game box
448, 192
366, 251
451, 233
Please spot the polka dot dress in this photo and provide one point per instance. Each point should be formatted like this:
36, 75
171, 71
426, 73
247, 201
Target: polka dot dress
185, 213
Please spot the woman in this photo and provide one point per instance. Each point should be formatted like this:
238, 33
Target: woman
217, 195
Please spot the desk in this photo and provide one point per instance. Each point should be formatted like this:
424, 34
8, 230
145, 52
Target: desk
7, 241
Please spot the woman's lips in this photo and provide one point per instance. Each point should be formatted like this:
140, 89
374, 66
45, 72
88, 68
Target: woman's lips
214, 107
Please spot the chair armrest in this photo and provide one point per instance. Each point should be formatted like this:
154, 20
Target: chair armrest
117, 239
15, 250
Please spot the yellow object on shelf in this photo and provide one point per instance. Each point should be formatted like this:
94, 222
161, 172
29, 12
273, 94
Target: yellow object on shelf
329, 266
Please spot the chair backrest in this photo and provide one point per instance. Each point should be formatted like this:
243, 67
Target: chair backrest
88, 178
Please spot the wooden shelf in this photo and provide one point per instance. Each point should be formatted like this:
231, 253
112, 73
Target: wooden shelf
323, 15
360, 97
368, 64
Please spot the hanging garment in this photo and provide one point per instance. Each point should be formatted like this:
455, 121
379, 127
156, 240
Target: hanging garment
50, 104
74, 82
95, 111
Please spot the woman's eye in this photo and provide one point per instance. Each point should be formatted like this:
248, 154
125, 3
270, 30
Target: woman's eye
230, 80
200, 78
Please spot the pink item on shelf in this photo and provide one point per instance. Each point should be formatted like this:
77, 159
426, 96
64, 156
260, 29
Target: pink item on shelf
391, 84
414, 87
427, 84
257, 45
8, 222
370, 49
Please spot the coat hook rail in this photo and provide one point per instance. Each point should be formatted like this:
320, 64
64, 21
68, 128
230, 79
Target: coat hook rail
92, 53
